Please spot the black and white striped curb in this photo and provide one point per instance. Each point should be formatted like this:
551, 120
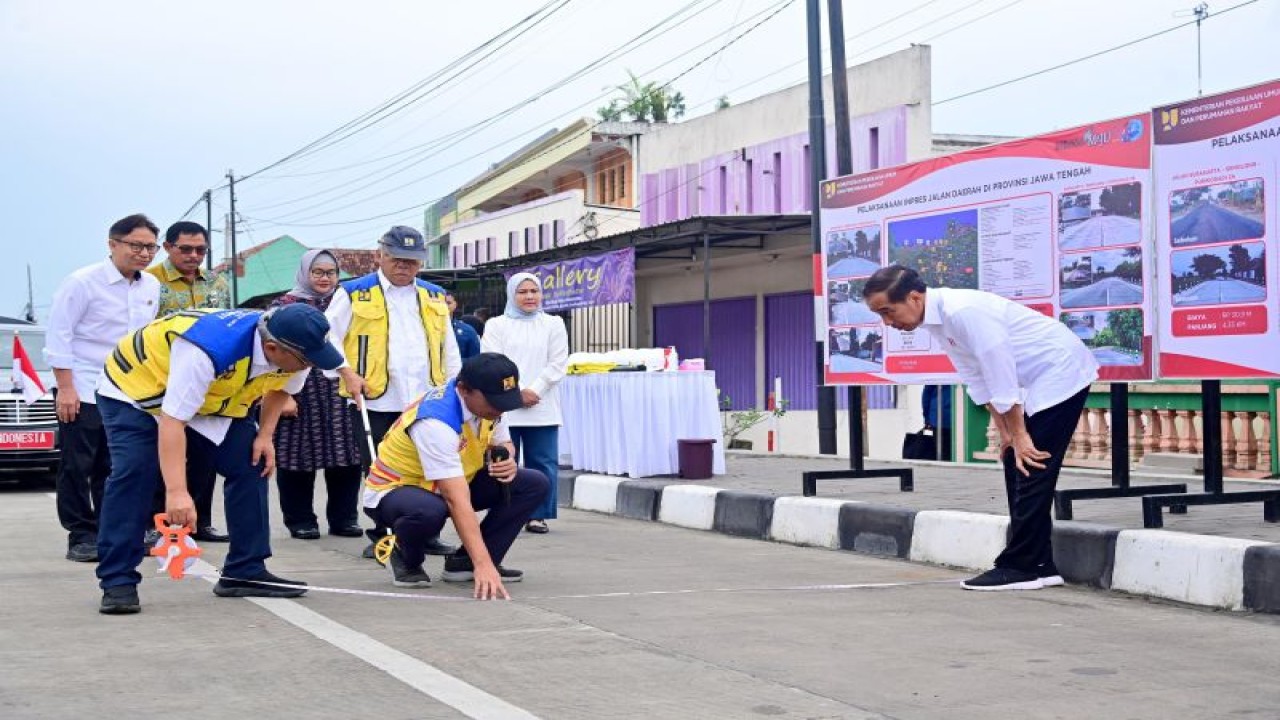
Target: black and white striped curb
1202, 570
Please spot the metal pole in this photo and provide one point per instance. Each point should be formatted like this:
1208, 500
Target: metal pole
208, 227
1120, 435
235, 261
817, 169
706, 298
937, 426
1211, 427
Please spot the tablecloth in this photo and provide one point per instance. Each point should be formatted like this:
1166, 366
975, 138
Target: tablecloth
628, 423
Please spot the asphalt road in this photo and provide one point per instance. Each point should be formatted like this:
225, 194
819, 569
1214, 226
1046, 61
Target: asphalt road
851, 266
1210, 223
1108, 356
617, 619
851, 312
1101, 231
844, 363
1212, 292
1106, 292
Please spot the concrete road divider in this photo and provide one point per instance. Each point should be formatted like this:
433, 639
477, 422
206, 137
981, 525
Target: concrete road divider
1197, 569
596, 492
691, 506
807, 521
959, 539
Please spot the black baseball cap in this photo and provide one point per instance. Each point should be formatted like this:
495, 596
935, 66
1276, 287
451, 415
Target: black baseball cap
304, 330
403, 241
496, 377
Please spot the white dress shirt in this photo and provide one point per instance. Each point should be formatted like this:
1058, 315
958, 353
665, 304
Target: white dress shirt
93, 309
190, 375
408, 362
539, 346
438, 449
1008, 353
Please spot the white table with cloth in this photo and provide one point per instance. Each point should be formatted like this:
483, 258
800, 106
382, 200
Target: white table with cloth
628, 423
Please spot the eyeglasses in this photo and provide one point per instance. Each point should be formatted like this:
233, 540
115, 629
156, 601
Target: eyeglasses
324, 274
405, 262
191, 249
140, 248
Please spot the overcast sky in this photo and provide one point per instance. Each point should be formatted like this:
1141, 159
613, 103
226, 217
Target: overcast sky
113, 108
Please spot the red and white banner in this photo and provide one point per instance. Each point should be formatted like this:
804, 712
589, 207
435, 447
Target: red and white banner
1058, 222
1217, 162
23, 374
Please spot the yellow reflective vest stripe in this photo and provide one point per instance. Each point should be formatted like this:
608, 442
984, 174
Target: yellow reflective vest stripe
398, 463
366, 345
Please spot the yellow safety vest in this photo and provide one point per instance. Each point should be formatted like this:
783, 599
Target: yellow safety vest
139, 365
366, 346
399, 464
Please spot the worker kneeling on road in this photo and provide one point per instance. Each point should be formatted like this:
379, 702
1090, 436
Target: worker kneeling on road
192, 377
441, 460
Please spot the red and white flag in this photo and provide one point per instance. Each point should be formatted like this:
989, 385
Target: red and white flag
24, 374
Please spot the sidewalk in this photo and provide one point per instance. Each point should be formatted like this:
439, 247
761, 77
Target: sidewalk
1223, 556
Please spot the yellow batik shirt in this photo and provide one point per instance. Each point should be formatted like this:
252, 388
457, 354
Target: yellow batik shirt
209, 291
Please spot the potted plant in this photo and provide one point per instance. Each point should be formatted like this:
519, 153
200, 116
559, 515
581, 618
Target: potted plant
736, 422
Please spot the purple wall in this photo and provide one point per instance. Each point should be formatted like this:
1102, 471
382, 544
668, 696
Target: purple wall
733, 334
695, 189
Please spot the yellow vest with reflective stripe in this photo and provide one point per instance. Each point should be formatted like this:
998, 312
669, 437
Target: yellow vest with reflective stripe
398, 462
139, 365
366, 346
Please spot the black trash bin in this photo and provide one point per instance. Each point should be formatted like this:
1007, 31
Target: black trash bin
695, 458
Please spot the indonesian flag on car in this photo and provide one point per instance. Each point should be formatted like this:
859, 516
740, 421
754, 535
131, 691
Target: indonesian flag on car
24, 375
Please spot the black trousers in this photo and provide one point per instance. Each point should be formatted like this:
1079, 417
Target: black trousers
202, 477
1030, 545
86, 463
379, 423
297, 497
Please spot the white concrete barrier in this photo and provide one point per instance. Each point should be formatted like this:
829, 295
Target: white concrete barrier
691, 506
960, 539
807, 521
597, 492
1197, 569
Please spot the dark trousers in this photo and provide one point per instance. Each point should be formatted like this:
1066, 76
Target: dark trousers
202, 478
416, 515
297, 496
82, 474
538, 448
1030, 546
132, 437
379, 423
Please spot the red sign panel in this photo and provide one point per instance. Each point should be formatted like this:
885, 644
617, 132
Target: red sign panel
26, 440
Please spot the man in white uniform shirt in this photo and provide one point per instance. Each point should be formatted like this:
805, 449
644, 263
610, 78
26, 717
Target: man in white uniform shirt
92, 309
395, 331
1032, 374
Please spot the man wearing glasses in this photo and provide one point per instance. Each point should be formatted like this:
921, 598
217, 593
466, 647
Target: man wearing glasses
394, 330
188, 381
93, 308
186, 285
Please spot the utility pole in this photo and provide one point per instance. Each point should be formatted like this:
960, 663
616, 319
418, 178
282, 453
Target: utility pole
1202, 12
231, 233
208, 226
31, 300
817, 169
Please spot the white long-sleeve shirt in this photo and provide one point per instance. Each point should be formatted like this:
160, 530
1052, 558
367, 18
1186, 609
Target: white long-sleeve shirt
93, 309
408, 361
190, 375
539, 346
1008, 353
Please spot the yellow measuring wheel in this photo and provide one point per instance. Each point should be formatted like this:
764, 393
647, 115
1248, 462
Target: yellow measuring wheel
382, 549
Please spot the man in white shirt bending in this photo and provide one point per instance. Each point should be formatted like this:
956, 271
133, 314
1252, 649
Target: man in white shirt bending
1033, 375
92, 309
394, 331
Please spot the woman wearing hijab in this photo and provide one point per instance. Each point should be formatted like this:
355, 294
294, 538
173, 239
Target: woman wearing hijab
539, 346
316, 433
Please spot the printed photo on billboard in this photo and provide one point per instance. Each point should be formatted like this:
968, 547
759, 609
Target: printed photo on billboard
1114, 336
844, 298
1100, 217
857, 349
943, 248
1219, 275
853, 252
1102, 278
1209, 214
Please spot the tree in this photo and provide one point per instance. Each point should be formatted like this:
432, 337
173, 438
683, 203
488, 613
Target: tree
1240, 260
1208, 266
722, 102
644, 102
1126, 327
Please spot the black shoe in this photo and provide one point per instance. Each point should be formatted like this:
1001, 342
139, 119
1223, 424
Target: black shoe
306, 533
348, 531
257, 587
435, 547
1004, 579
404, 576
120, 600
537, 527
211, 534
150, 538
458, 568
368, 554
83, 552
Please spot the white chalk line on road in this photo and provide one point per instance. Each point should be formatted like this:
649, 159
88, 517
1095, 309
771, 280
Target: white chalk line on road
426, 679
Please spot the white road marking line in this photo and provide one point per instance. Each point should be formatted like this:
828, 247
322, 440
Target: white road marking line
426, 679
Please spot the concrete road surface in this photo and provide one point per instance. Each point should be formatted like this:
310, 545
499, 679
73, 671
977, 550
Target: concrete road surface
844, 363
1212, 292
1101, 231
1210, 223
851, 312
1109, 356
617, 619
852, 266
1104, 293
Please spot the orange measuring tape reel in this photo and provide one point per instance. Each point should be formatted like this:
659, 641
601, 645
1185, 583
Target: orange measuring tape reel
175, 550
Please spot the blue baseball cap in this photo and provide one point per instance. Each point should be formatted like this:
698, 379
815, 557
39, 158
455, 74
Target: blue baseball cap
304, 330
403, 241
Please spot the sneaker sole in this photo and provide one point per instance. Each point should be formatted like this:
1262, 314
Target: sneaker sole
1027, 585
236, 592
468, 576
119, 609
1053, 581
415, 584
83, 558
